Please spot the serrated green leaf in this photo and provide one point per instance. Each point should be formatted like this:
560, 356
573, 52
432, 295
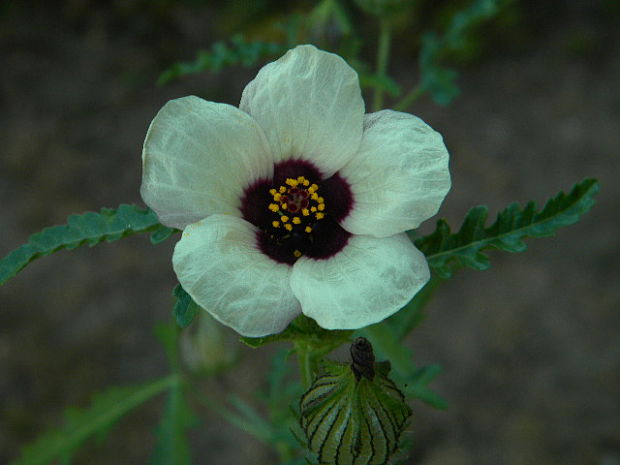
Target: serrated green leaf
86, 229
172, 447
222, 55
185, 309
80, 424
162, 233
437, 79
446, 252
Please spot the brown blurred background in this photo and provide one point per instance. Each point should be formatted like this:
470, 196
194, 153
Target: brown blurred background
530, 348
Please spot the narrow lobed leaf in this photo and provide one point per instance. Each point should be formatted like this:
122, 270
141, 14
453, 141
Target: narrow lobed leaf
446, 251
81, 424
222, 55
86, 229
437, 79
172, 447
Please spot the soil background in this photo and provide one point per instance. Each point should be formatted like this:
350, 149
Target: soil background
530, 348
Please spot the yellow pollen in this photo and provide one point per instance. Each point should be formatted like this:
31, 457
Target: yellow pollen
312, 209
275, 224
277, 196
272, 191
297, 253
320, 200
315, 196
308, 229
274, 207
288, 226
284, 206
282, 189
321, 207
320, 216
292, 182
305, 212
284, 218
306, 182
313, 188
296, 220
301, 179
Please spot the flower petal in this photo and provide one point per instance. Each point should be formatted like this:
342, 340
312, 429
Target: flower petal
198, 157
369, 280
310, 105
218, 263
398, 178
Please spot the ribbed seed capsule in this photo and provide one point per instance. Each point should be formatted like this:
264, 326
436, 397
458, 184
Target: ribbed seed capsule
354, 414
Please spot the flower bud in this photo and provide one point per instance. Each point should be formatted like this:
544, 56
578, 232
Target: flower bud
208, 347
354, 413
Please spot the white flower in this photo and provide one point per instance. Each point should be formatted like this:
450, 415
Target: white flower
295, 202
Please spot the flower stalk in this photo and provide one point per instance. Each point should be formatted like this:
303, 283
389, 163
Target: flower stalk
383, 54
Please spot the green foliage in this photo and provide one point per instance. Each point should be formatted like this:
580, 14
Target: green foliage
104, 411
446, 251
185, 309
383, 82
415, 380
439, 80
328, 15
172, 447
222, 55
384, 8
86, 229
162, 233
349, 419
303, 330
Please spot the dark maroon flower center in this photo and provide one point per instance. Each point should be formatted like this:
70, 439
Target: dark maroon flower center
297, 212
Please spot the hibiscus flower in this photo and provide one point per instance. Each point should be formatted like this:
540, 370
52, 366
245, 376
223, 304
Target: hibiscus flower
295, 202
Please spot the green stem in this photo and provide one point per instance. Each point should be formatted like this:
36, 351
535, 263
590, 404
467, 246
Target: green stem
383, 54
305, 359
408, 99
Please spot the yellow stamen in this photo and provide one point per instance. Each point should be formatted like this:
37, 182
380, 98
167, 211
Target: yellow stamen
284, 218
275, 224
296, 220
305, 212
315, 196
320, 200
272, 191
292, 182
320, 216
288, 226
321, 207
274, 207
297, 253
277, 196
284, 206
301, 179
312, 209
308, 229
282, 189
313, 188
306, 182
